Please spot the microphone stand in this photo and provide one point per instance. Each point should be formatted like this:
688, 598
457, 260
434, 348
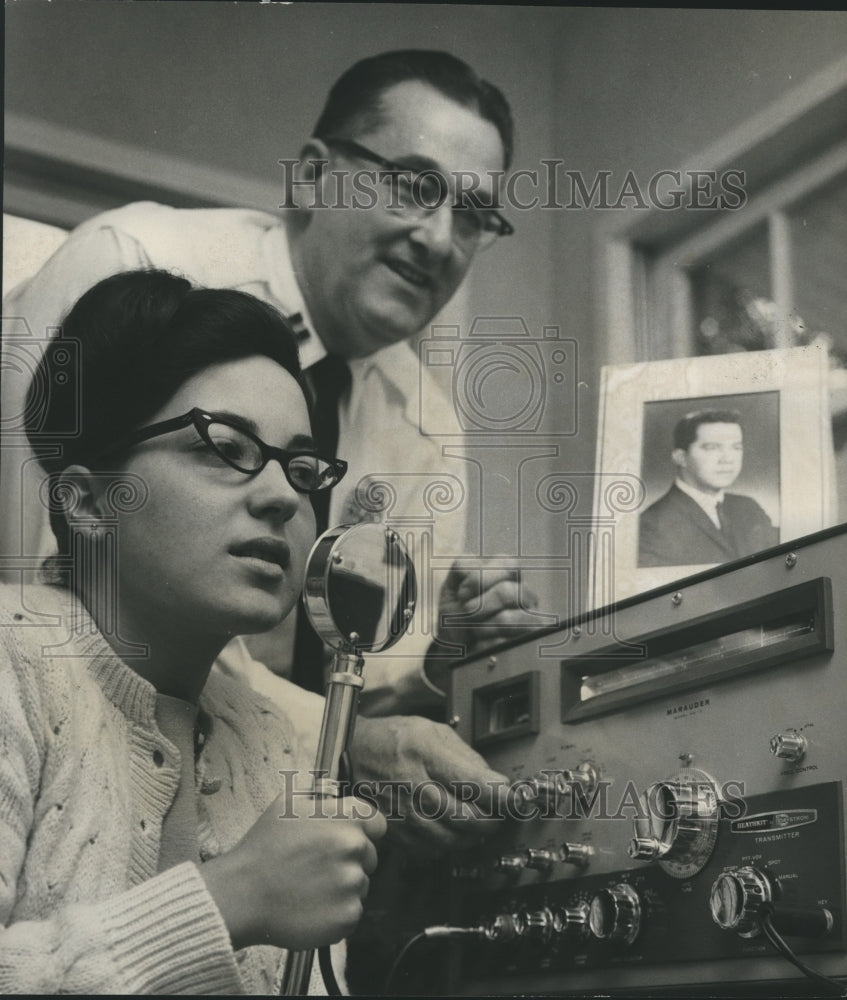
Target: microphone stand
342, 700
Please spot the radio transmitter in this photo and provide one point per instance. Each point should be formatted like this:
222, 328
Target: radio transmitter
677, 807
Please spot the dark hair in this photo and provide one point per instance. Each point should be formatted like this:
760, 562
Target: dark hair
141, 335
685, 432
353, 103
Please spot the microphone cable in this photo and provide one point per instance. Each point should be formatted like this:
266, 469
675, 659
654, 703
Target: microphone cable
779, 943
436, 931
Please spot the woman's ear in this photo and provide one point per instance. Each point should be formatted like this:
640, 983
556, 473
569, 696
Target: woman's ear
308, 178
81, 494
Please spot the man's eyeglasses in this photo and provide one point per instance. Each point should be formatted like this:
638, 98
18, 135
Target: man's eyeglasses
415, 193
306, 471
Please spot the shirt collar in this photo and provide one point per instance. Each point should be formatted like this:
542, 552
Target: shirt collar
707, 501
282, 282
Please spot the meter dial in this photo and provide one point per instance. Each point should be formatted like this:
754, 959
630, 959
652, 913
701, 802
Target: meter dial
679, 823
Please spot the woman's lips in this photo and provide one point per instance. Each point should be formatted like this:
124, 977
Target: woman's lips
270, 556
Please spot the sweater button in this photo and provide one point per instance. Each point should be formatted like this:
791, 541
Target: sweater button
158, 758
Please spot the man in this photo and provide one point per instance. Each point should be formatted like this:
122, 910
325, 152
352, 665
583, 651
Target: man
697, 521
358, 282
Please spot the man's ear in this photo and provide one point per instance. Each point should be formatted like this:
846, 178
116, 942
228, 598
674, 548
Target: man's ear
678, 457
309, 177
81, 493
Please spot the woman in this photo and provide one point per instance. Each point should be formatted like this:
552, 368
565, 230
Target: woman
179, 491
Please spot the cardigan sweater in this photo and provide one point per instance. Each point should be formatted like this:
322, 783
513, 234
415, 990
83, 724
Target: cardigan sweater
86, 778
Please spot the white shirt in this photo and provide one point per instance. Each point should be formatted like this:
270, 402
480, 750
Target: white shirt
707, 502
396, 473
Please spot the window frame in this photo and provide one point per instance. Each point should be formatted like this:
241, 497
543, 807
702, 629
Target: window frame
788, 151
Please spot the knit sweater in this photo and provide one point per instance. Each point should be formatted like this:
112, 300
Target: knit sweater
86, 778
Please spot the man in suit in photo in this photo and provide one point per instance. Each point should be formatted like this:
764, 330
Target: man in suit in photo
697, 521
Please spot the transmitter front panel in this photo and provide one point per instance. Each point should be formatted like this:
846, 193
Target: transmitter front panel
676, 769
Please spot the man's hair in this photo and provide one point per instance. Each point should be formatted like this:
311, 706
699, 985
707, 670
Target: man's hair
354, 102
141, 335
685, 432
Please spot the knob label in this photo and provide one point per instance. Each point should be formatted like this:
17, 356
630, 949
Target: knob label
785, 819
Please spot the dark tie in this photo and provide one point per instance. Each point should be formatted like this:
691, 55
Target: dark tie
329, 380
721, 517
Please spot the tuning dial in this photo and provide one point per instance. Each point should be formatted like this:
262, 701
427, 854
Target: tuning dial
615, 914
678, 825
737, 898
576, 854
789, 745
536, 925
511, 864
571, 922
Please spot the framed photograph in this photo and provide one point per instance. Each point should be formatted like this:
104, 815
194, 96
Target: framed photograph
730, 454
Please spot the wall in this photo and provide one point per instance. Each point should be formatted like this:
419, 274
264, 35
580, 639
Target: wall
645, 90
238, 85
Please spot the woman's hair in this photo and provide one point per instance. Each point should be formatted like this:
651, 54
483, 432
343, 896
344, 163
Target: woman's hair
141, 335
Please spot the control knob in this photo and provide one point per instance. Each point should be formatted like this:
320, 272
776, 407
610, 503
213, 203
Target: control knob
540, 859
512, 864
741, 898
789, 745
678, 824
548, 787
536, 925
737, 897
571, 922
534, 858
615, 914
543, 788
576, 854
504, 927
585, 777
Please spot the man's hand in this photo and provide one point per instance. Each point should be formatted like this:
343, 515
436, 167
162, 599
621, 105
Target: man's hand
423, 772
478, 607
